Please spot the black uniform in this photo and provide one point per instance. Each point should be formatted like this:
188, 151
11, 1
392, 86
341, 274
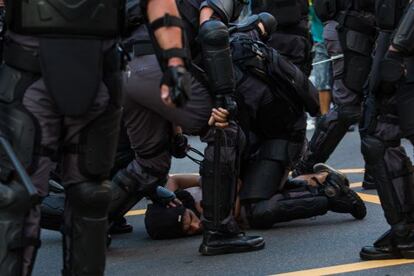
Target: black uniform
349, 30
388, 117
61, 101
292, 37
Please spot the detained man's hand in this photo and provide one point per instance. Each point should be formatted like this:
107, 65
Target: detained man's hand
219, 118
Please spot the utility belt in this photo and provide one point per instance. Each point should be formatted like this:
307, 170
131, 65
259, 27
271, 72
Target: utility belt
389, 12
97, 19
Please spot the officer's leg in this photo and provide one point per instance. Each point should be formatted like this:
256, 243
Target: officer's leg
33, 111
332, 126
392, 171
301, 200
149, 125
405, 101
221, 233
90, 145
149, 135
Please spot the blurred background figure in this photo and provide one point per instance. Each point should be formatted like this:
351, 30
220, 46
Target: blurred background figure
321, 75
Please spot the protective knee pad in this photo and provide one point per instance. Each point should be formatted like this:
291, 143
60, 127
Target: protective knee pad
374, 150
349, 115
214, 38
125, 191
98, 144
404, 36
265, 175
264, 214
128, 188
18, 126
85, 228
14, 206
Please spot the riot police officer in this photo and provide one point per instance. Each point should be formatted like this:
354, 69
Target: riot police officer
60, 100
149, 120
388, 117
349, 30
292, 37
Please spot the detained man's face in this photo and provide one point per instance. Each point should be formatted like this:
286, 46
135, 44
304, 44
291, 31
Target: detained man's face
191, 223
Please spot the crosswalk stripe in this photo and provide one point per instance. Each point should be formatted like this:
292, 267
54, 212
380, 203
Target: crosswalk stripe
347, 268
136, 212
356, 185
370, 198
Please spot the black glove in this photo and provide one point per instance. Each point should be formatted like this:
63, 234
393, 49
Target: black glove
392, 71
162, 196
178, 79
179, 146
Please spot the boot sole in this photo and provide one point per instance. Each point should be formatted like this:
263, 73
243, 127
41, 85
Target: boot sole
367, 257
360, 209
211, 251
408, 254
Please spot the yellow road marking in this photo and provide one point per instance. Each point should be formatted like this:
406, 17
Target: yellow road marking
356, 185
355, 170
138, 212
347, 268
370, 198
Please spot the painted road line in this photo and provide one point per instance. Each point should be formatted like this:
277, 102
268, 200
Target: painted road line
370, 198
356, 185
347, 268
351, 171
346, 171
138, 212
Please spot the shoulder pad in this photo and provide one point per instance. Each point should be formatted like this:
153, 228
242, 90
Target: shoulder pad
224, 8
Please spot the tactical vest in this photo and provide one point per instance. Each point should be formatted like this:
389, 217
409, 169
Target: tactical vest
95, 18
286, 12
389, 12
329, 9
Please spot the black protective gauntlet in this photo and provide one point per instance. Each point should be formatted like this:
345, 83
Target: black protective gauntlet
392, 71
178, 79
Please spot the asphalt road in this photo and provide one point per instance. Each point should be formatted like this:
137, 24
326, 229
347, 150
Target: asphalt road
329, 244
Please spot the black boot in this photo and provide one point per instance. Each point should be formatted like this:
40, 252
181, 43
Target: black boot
368, 183
227, 238
219, 177
216, 243
383, 249
120, 226
404, 239
396, 243
342, 199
